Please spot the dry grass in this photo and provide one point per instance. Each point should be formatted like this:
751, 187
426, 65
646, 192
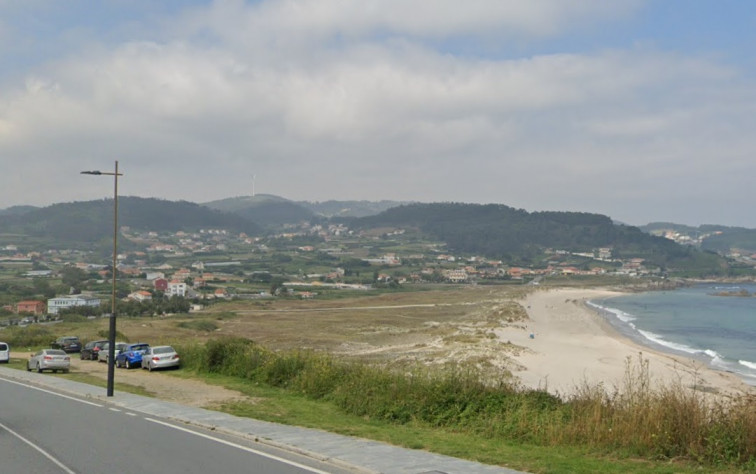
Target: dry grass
440, 328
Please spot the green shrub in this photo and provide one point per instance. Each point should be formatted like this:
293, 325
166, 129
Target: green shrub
280, 370
72, 318
198, 325
119, 336
225, 315
229, 356
322, 376
30, 336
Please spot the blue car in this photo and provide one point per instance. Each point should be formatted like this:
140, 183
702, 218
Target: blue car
131, 355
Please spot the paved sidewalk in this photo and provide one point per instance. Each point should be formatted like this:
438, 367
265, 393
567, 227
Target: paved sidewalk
352, 453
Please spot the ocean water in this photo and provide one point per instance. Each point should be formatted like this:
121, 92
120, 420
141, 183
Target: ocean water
691, 321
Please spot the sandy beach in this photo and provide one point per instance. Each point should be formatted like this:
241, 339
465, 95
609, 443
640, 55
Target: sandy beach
573, 344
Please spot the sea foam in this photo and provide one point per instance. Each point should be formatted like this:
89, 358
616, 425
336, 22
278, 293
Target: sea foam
694, 322
621, 315
716, 358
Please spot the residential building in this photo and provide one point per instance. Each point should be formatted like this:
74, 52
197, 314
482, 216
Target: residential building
182, 274
151, 276
160, 284
38, 273
140, 296
30, 306
388, 259
176, 288
456, 276
63, 302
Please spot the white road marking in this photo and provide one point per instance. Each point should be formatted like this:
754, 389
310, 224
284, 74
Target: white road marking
53, 393
239, 446
222, 441
42, 451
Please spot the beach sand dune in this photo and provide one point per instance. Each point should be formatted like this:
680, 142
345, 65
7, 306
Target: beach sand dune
568, 345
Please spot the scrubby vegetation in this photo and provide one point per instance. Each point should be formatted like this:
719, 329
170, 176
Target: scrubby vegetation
31, 336
672, 422
198, 325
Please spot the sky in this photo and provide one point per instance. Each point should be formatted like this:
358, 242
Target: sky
641, 110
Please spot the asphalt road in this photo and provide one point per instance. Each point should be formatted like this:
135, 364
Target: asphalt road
42, 431
50, 424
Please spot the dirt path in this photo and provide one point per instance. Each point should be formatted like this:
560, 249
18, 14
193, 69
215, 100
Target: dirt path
161, 385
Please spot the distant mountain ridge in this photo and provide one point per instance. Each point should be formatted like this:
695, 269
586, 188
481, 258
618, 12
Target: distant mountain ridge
492, 230
90, 221
264, 209
515, 234
17, 210
239, 203
268, 209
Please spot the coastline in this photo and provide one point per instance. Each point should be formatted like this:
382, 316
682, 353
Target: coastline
573, 345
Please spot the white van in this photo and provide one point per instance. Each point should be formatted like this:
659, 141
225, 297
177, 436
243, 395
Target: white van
4, 353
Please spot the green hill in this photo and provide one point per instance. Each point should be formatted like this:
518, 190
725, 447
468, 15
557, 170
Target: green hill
264, 209
17, 210
492, 230
730, 239
269, 210
91, 221
515, 235
715, 238
241, 203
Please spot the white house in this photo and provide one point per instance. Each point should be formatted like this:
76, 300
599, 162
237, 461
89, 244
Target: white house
140, 296
151, 276
176, 288
62, 302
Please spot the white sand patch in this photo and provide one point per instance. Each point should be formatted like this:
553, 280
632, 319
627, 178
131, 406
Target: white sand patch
572, 345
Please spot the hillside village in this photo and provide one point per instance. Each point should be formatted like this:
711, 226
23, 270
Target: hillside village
745, 254
216, 264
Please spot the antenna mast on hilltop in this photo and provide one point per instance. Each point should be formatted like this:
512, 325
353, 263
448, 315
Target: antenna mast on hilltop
253, 184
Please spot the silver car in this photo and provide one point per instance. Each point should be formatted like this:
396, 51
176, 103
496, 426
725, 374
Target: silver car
49, 359
105, 350
160, 357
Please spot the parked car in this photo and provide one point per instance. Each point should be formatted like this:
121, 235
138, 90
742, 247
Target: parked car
160, 357
4, 352
131, 355
49, 359
67, 344
91, 350
104, 352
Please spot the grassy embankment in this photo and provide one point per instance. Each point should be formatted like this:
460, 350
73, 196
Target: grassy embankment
459, 415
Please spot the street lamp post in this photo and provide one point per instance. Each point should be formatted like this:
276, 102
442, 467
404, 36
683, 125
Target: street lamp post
112, 331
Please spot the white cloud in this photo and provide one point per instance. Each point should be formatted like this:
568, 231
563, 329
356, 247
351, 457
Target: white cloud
415, 18
383, 115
